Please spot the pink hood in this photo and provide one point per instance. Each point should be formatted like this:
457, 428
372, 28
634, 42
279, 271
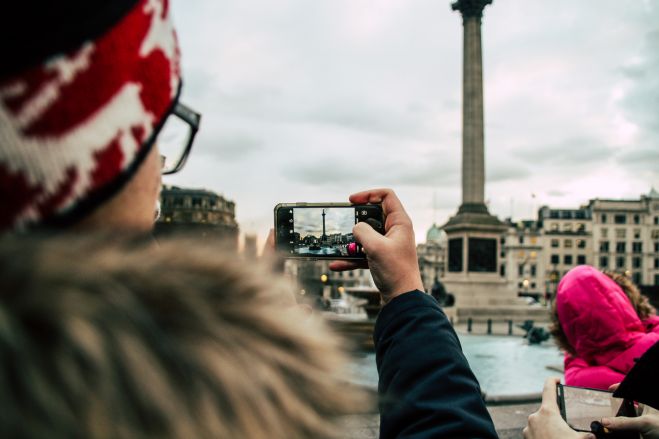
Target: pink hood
600, 321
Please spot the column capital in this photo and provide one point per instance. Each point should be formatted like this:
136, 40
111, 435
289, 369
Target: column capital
470, 8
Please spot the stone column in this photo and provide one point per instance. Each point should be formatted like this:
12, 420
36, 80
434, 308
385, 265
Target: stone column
473, 157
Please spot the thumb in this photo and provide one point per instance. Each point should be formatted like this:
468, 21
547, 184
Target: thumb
367, 236
624, 423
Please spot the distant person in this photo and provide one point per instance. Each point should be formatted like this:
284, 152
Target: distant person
114, 339
603, 323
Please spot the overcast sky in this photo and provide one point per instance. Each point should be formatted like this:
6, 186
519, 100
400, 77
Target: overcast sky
313, 100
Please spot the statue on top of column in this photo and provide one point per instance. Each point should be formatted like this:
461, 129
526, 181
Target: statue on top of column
470, 8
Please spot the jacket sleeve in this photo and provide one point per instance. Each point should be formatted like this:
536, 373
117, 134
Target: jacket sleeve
581, 374
425, 384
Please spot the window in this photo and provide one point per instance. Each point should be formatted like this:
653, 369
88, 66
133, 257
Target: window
555, 259
620, 262
620, 247
636, 262
636, 278
581, 227
604, 262
482, 256
621, 233
455, 255
656, 247
603, 218
637, 219
567, 227
521, 239
567, 259
534, 270
502, 270
637, 233
605, 233
581, 259
581, 243
554, 227
567, 243
604, 247
620, 219
637, 247
555, 243
656, 262
533, 285
656, 220
520, 270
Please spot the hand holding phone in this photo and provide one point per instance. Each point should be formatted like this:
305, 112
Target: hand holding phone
583, 408
391, 257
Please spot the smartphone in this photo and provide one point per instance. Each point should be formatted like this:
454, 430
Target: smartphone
581, 406
323, 230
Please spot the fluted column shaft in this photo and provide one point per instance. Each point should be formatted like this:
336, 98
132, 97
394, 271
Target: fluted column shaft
473, 157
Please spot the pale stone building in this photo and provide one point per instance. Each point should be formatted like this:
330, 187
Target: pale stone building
524, 260
567, 241
197, 212
432, 257
626, 236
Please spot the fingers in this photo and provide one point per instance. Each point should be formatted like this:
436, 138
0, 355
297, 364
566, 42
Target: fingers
347, 265
625, 423
366, 236
549, 393
392, 207
614, 387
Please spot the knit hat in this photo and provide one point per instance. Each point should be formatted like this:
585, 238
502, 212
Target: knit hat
84, 89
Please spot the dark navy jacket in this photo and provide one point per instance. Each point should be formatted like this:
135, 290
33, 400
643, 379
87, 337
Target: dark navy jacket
426, 387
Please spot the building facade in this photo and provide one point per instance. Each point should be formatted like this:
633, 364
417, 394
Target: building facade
616, 235
432, 257
197, 212
626, 235
524, 264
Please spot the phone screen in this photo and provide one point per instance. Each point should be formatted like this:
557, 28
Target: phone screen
323, 231
580, 406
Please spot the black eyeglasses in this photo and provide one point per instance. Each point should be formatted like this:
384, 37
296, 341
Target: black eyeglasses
176, 137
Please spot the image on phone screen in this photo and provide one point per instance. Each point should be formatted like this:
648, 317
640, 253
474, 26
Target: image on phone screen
322, 231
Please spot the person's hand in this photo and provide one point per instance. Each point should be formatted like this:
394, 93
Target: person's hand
547, 422
647, 425
392, 256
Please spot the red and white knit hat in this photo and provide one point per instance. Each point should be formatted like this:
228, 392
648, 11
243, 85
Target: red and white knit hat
78, 114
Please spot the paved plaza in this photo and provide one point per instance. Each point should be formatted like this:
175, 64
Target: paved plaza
509, 421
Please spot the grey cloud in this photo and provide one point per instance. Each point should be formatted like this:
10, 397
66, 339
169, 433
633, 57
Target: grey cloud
641, 103
502, 172
376, 172
570, 152
230, 147
641, 158
557, 193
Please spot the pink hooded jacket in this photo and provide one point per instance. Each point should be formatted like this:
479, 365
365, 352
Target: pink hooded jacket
601, 324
